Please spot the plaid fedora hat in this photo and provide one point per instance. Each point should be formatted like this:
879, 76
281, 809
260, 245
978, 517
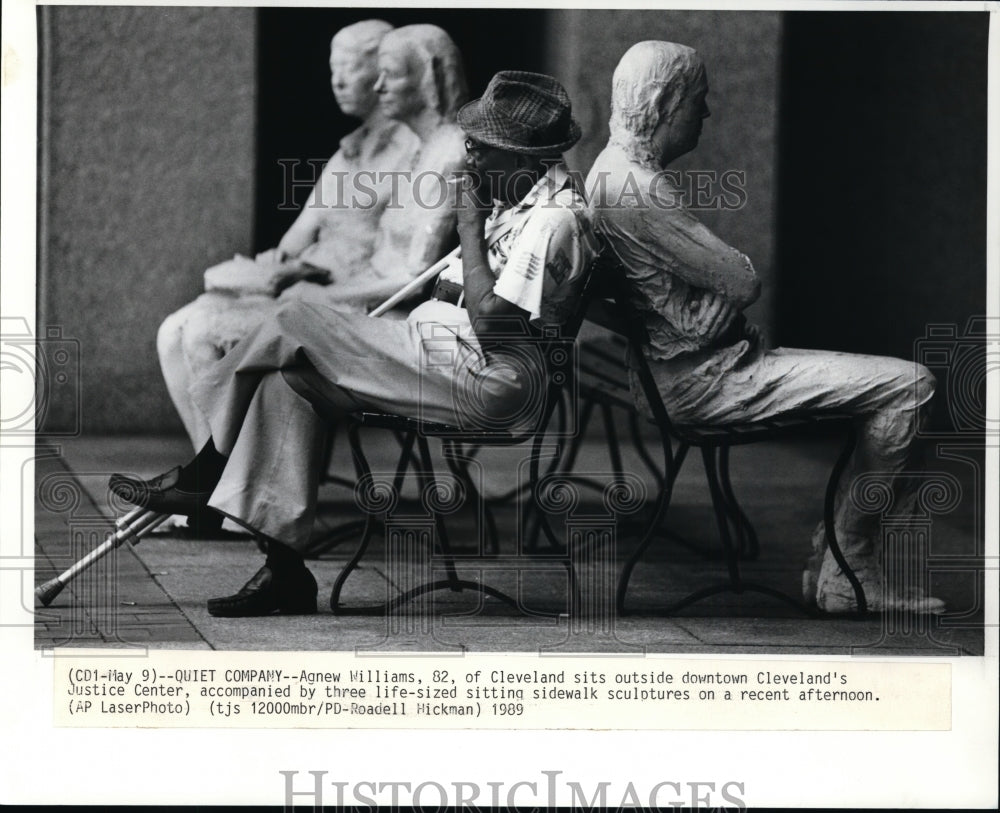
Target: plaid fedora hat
522, 112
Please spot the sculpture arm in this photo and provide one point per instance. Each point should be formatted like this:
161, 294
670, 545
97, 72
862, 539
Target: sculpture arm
303, 232
410, 240
688, 249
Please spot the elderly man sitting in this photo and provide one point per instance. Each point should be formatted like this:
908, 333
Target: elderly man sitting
689, 287
524, 260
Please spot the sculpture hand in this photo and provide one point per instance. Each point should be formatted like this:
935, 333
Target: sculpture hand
273, 256
709, 316
290, 273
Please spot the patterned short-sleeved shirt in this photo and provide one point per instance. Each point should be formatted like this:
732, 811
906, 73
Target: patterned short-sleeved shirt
539, 249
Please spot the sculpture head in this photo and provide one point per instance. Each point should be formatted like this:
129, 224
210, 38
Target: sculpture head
353, 66
658, 101
420, 69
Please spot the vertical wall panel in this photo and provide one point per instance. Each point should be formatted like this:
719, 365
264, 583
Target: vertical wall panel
150, 160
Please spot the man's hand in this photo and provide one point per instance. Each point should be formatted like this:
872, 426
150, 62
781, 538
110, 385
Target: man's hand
477, 279
755, 336
288, 274
470, 211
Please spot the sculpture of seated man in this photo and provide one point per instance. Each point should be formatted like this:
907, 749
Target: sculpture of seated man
689, 288
362, 233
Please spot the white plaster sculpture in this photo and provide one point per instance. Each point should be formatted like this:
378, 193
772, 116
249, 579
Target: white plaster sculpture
421, 83
361, 232
689, 288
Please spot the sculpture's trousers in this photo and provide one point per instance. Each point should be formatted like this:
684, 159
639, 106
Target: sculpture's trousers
191, 340
194, 338
888, 396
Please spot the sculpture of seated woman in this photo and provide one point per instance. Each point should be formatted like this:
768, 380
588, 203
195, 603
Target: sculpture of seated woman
422, 84
345, 250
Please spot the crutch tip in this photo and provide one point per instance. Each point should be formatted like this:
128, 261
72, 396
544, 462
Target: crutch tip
45, 593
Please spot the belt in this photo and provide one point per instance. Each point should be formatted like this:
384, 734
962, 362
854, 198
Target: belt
446, 291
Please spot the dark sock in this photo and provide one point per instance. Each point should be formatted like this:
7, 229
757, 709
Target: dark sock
204, 472
282, 557
208, 521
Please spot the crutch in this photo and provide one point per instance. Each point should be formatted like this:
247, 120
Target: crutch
129, 528
139, 521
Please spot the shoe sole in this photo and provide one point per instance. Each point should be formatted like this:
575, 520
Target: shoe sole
276, 611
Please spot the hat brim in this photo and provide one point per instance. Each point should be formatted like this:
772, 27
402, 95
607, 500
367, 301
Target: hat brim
473, 122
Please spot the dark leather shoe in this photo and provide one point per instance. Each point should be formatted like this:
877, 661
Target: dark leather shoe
291, 591
161, 494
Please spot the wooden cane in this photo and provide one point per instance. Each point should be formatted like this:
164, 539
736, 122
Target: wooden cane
130, 528
416, 283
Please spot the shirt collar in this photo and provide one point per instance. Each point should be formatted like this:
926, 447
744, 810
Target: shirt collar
554, 180
350, 144
377, 133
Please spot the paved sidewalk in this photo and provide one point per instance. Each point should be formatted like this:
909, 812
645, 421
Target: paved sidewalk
154, 594
118, 602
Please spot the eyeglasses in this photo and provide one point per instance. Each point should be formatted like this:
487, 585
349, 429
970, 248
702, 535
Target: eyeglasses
475, 148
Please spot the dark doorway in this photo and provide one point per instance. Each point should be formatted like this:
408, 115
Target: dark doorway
882, 195
297, 117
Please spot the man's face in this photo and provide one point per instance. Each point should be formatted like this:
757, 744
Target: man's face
400, 95
500, 173
352, 77
679, 134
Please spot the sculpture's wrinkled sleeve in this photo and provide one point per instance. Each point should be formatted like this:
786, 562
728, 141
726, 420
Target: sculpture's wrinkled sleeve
419, 228
434, 227
679, 243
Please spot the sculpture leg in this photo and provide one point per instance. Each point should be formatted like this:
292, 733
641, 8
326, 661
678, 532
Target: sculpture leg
885, 447
888, 397
177, 374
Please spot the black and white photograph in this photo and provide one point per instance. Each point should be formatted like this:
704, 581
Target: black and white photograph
595, 343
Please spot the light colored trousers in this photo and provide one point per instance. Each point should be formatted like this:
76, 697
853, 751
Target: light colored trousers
428, 367
195, 337
888, 396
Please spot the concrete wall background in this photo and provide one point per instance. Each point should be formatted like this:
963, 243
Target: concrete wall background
883, 169
741, 51
148, 139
